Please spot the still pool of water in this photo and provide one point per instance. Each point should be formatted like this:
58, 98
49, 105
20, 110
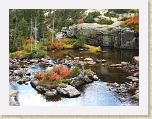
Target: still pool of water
93, 94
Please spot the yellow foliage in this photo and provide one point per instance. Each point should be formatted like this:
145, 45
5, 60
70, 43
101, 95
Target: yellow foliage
93, 49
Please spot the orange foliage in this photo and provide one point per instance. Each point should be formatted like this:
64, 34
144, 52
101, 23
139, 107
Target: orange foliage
29, 41
56, 45
80, 20
65, 40
132, 22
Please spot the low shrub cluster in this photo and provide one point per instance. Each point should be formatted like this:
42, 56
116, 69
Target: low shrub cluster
58, 75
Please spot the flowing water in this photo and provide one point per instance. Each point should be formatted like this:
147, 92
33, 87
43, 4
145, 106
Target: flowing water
93, 94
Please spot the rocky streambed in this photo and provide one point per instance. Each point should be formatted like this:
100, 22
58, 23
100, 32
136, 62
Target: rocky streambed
22, 71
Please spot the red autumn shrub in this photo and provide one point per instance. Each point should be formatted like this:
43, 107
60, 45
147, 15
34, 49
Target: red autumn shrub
55, 76
62, 71
39, 75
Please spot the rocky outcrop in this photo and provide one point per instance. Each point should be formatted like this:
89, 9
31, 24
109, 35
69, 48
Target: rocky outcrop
104, 35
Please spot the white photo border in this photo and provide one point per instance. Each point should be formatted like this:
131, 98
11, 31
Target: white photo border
5, 5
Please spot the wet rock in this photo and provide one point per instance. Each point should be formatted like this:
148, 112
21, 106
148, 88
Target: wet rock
91, 62
44, 60
17, 78
98, 61
41, 89
14, 66
136, 96
24, 80
133, 78
112, 89
13, 101
122, 99
13, 93
78, 82
113, 84
13, 97
136, 74
87, 79
95, 77
88, 59
76, 58
34, 60
103, 64
34, 83
137, 91
51, 93
103, 60
69, 90
136, 59
116, 65
124, 63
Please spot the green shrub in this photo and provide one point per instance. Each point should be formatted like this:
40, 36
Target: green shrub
75, 72
31, 55
108, 14
41, 53
79, 43
89, 19
105, 21
66, 46
71, 41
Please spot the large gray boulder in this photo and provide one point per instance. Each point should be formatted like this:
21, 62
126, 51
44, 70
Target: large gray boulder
69, 90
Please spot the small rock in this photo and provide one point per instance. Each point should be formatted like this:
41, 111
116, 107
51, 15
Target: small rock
136, 59
13, 93
136, 96
95, 77
103, 60
122, 99
116, 65
91, 62
33, 60
69, 90
88, 59
136, 74
124, 63
76, 58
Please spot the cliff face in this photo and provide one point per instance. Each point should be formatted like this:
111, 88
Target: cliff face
104, 35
